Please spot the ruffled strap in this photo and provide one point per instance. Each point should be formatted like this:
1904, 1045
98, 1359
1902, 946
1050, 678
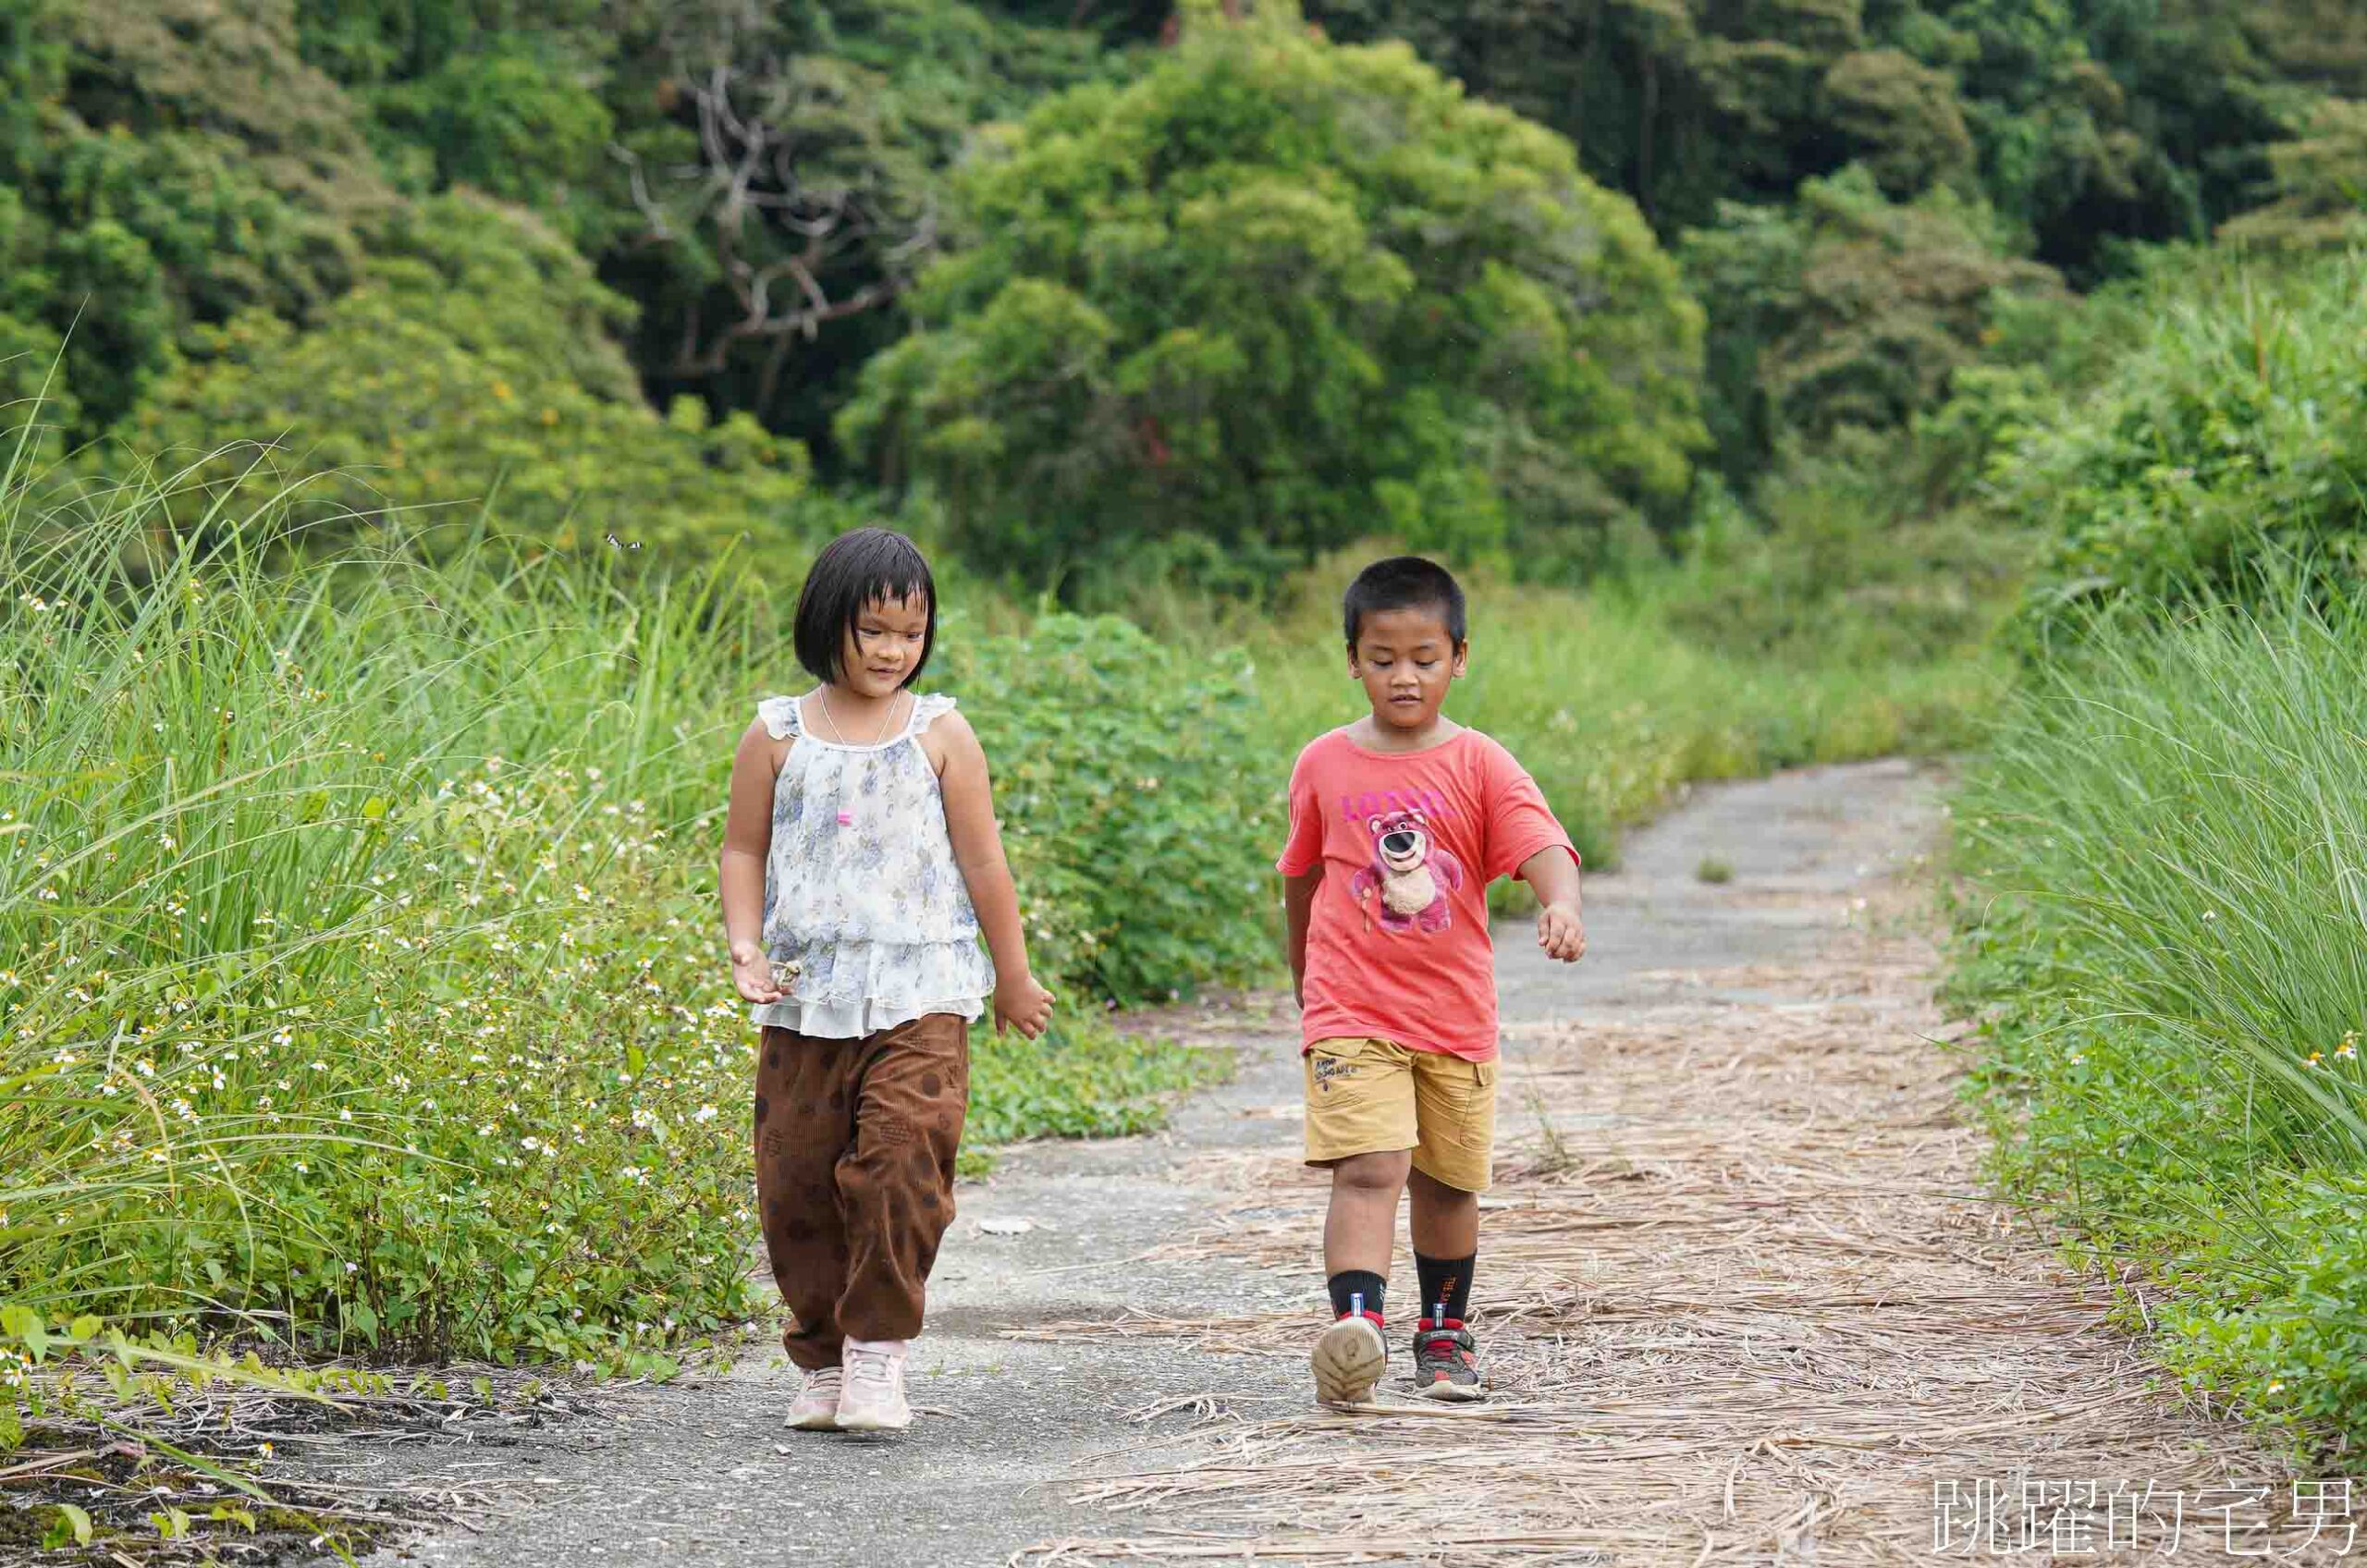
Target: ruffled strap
780, 715
926, 710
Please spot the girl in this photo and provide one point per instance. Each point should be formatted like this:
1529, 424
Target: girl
861, 862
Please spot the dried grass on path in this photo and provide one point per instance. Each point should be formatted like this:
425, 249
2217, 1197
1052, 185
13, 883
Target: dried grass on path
1743, 1304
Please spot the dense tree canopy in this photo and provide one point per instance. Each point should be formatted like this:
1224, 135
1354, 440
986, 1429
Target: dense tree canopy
1273, 293
207, 211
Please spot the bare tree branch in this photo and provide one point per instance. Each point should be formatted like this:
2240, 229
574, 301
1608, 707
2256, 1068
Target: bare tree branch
796, 194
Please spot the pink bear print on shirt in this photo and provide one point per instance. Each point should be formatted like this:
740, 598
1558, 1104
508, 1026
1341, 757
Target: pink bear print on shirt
1411, 871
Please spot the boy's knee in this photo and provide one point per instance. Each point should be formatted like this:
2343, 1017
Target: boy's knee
1432, 1192
1382, 1171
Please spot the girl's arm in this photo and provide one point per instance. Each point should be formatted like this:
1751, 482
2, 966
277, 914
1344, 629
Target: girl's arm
747, 838
977, 848
1298, 903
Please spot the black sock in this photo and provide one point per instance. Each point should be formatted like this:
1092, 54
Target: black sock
1446, 1286
1356, 1289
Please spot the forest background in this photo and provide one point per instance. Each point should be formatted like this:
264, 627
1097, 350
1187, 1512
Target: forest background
420, 413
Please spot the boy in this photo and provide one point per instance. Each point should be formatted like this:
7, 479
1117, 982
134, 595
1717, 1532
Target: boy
1399, 821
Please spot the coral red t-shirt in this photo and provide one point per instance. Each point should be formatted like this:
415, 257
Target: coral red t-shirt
1397, 938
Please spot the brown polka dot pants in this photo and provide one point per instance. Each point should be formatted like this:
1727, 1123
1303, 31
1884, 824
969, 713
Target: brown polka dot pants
854, 1143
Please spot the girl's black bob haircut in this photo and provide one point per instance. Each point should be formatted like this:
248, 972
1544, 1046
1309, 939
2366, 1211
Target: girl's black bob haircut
861, 567
1403, 582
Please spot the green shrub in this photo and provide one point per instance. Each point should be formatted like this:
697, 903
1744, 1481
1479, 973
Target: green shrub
2234, 428
1129, 785
2167, 842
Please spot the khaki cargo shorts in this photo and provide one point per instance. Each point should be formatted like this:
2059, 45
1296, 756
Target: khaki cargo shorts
1367, 1096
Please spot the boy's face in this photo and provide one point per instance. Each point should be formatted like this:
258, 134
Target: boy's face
887, 639
1405, 658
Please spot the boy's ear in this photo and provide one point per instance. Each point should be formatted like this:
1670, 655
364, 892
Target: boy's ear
1462, 654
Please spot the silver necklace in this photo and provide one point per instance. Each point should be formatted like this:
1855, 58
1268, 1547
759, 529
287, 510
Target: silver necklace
840, 731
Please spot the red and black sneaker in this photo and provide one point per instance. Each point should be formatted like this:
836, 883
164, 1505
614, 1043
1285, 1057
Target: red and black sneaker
1446, 1361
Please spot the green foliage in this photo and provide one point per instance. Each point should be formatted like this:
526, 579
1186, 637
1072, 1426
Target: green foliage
472, 363
785, 181
356, 982
1271, 291
1119, 770
1080, 1080
151, 66
507, 120
2167, 838
1849, 310
2321, 183
1904, 115
1852, 568
2229, 430
219, 239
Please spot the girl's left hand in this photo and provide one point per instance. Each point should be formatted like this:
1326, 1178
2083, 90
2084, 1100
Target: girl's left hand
1022, 1004
752, 976
1561, 933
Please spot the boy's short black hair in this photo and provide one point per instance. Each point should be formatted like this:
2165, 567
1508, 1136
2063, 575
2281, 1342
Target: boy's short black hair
860, 566
1403, 582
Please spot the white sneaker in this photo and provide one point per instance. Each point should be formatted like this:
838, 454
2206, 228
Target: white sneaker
872, 1399
1349, 1359
815, 1408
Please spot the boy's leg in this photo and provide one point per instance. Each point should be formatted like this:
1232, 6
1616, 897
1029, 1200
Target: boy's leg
1360, 1123
1446, 1244
804, 1119
1455, 1113
1359, 1229
896, 1180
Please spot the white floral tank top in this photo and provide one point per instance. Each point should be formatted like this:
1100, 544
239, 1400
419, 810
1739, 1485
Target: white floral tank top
861, 889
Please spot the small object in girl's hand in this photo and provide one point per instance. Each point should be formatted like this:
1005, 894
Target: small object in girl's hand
785, 973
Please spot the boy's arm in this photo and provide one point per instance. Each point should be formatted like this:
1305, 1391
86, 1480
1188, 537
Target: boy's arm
1298, 902
1561, 926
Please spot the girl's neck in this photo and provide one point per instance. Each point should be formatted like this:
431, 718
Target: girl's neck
853, 719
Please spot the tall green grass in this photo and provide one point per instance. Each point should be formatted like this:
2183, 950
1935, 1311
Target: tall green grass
2167, 842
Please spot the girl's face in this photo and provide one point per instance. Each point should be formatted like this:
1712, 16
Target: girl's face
885, 640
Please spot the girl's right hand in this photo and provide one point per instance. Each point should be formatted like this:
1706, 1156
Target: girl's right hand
1022, 1004
752, 973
